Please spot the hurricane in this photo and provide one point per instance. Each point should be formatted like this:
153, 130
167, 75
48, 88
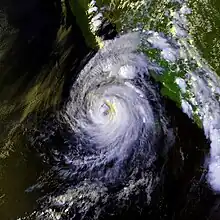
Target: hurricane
112, 109
116, 130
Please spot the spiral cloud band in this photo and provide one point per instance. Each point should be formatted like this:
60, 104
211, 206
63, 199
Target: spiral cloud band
111, 110
119, 129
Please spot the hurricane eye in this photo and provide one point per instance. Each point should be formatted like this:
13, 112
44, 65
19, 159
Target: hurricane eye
107, 108
104, 109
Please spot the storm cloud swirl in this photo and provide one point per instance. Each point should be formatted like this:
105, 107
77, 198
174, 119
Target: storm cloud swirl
117, 130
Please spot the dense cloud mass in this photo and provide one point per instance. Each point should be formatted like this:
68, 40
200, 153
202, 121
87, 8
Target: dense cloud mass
115, 132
